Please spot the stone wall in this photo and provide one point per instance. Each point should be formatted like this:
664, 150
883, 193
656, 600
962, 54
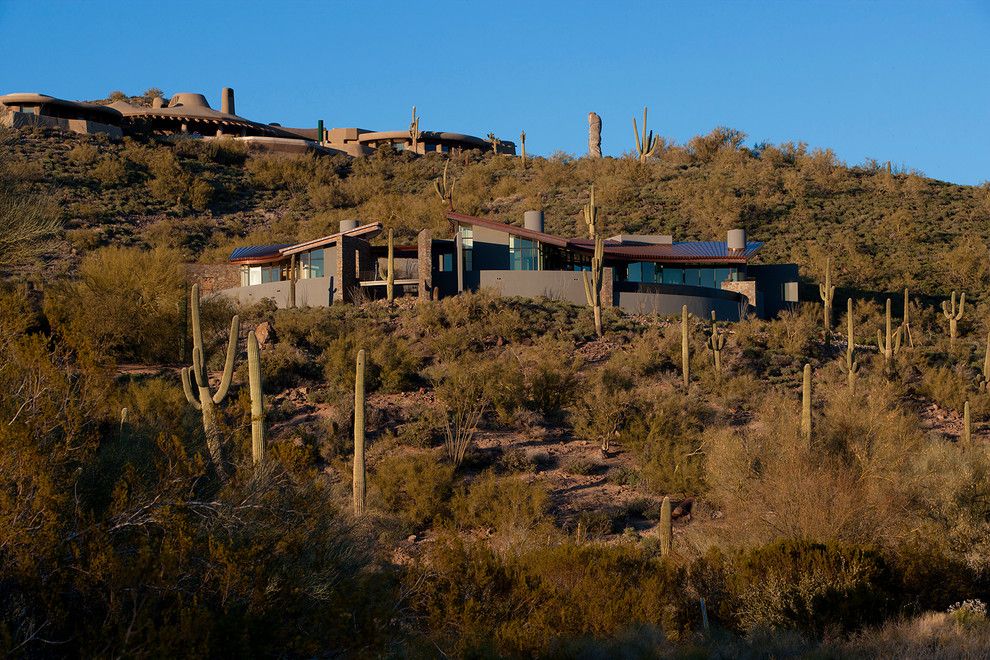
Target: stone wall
213, 277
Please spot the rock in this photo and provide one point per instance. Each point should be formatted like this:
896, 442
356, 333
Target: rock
412, 538
265, 333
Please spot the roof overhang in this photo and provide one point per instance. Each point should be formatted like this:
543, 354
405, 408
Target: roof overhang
267, 254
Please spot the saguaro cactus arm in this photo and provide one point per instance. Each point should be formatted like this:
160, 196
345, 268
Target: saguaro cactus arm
646, 145
187, 388
228, 364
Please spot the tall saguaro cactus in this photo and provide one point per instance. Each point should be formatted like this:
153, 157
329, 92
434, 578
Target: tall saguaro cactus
716, 342
445, 190
593, 279
202, 400
359, 468
889, 344
906, 323
967, 434
954, 314
806, 394
852, 365
495, 142
827, 293
666, 528
390, 273
646, 145
685, 348
414, 133
257, 399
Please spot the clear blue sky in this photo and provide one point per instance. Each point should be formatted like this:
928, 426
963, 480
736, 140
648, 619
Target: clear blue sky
900, 81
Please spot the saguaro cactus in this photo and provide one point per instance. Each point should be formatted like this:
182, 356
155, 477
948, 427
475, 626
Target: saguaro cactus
806, 394
495, 142
203, 400
414, 133
359, 469
666, 528
889, 344
593, 278
685, 348
522, 145
986, 363
444, 190
390, 273
595, 135
954, 314
716, 342
646, 145
827, 293
967, 434
257, 399
906, 323
852, 365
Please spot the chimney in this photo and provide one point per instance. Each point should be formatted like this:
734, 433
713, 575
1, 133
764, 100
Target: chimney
533, 220
736, 239
157, 102
227, 101
347, 225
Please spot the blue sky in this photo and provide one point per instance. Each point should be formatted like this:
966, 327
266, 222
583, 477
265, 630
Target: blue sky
899, 81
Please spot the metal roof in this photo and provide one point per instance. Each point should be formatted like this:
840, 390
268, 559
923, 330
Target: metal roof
679, 252
252, 252
260, 254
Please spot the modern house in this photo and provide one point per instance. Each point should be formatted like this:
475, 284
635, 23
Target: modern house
190, 114
643, 274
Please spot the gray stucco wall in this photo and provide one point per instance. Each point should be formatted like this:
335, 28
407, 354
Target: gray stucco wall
566, 285
667, 299
309, 293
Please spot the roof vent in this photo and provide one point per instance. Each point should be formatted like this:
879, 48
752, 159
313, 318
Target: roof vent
533, 220
736, 239
188, 100
348, 225
157, 102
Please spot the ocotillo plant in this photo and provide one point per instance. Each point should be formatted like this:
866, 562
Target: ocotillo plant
257, 399
522, 145
906, 323
359, 473
685, 348
593, 278
967, 434
390, 273
716, 342
414, 133
666, 529
852, 365
646, 145
827, 293
202, 400
806, 406
889, 345
444, 190
954, 314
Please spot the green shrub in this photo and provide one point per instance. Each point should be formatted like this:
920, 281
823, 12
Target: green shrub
501, 504
414, 486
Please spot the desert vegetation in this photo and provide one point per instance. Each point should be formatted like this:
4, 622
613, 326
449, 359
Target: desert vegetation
479, 476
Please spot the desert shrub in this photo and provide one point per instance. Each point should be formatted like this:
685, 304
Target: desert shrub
795, 333
582, 465
423, 428
933, 635
413, 486
502, 504
125, 301
83, 154
469, 596
550, 372
110, 172
602, 408
283, 365
391, 366
464, 391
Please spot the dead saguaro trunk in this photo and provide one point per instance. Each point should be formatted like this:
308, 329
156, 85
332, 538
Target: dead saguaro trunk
594, 135
359, 467
202, 400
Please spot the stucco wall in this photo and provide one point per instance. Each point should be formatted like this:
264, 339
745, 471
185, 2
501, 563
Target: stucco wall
28, 119
667, 299
309, 293
566, 285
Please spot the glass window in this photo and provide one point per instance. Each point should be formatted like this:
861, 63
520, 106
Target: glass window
467, 241
254, 276
524, 254
721, 275
673, 275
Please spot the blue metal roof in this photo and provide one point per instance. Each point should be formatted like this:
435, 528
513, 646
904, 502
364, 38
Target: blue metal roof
257, 251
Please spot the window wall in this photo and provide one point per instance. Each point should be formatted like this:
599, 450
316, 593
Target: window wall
311, 264
467, 242
651, 273
524, 254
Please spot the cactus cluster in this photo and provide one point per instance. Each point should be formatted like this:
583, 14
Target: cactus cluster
954, 314
827, 293
716, 342
203, 400
359, 467
593, 278
646, 144
685, 348
890, 343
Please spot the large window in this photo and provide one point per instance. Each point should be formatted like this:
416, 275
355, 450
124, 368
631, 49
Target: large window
524, 254
311, 264
467, 242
